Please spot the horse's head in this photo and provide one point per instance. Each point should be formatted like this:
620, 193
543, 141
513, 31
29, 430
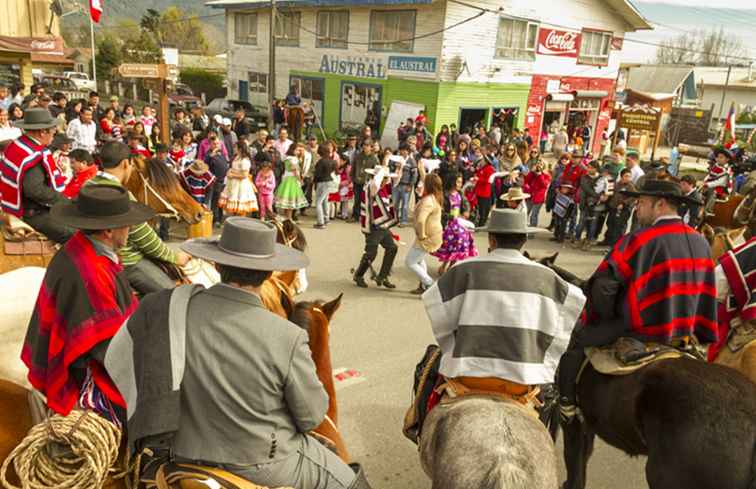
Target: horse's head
155, 185
289, 234
550, 262
315, 317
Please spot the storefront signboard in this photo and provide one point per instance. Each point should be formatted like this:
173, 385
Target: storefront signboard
555, 42
356, 66
413, 64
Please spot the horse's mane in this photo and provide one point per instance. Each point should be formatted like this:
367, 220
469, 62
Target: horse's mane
300, 241
160, 176
301, 315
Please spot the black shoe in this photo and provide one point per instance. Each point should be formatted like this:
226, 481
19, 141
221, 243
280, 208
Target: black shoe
420, 290
384, 282
360, 281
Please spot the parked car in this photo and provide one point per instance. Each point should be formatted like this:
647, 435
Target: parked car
256, 116
181, 96
81, 80
54, 83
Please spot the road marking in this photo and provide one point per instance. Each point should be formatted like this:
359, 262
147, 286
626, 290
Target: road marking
345, 377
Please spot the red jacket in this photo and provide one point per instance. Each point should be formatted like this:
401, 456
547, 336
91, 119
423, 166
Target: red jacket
483, 186
536, 184
79, 179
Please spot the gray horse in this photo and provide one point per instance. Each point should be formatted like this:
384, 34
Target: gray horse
485, 443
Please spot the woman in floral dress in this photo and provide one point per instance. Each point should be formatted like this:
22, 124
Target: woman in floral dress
458, 242
289, 196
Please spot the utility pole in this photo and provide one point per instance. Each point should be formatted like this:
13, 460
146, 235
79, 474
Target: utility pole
272, 62
724, 93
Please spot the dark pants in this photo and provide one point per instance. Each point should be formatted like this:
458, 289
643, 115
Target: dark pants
164, 229
378, 237
560, 224
359, 189
307, 187
573, 358
214, 194
484, 208
53, 230
616, 224
145, 277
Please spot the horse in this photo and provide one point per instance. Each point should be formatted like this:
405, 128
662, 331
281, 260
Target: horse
154, 184
666, 411
33, 249
314, 317
724, 212
295, 122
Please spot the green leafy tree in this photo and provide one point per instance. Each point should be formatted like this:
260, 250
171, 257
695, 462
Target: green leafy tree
109, 57
183, 31
150, 22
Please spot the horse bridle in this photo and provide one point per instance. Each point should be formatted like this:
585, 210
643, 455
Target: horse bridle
172, 212
287, 240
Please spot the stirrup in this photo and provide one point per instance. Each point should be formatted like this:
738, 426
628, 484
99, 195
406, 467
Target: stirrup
568, 412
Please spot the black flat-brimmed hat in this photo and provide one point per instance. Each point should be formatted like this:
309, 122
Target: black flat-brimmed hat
667, 189
723, 151
36, 119
101, 207
247, 243
59, 140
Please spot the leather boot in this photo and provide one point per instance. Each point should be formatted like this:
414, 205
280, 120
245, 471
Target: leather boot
359, 274
388, 263
360, 481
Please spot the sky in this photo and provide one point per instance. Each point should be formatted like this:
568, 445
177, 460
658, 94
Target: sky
706, 3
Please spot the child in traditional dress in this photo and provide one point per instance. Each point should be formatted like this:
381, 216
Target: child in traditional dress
198, 179
238, 197
345, 190
289, 196
458, 242
266, 186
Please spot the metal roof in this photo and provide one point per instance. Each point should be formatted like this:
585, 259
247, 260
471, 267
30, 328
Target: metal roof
717, 76
657, 79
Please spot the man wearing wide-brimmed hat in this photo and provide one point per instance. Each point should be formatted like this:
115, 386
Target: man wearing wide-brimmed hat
501, 319
84, 300
31, 183
656, 285
242, 393
718, 183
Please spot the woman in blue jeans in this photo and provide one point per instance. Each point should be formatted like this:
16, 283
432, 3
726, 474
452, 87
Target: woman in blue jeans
408, 173
322, 180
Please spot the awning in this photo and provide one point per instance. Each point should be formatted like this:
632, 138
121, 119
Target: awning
591, 93
561, 97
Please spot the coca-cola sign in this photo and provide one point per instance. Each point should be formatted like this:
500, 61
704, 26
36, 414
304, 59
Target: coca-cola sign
553, 42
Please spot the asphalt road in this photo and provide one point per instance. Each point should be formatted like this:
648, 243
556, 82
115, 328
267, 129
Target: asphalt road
378, 336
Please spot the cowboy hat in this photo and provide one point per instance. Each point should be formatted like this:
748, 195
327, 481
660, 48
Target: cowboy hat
59, 140
101, 207
382, 170
247, 243
657, 165
666, 189
514, 193
508, 221
198, 167
37, 119
722, 151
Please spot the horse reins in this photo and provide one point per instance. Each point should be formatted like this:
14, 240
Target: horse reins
287, 240
173, 213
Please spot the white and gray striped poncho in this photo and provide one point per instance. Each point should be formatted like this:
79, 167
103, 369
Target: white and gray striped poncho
504, 316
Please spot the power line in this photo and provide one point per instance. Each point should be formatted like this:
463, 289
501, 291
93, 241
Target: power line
168, 22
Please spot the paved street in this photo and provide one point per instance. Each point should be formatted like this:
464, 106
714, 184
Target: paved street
381, 334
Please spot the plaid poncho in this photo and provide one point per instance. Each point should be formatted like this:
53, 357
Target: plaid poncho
84, 300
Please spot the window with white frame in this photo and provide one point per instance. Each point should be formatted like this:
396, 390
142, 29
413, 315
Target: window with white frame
287, 28
333, 29
595, 47
245, 28
516, 39
392, 30
258, 82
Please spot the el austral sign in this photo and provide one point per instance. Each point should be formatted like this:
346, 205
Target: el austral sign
412, 64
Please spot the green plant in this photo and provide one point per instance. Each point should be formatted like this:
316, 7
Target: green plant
203, 81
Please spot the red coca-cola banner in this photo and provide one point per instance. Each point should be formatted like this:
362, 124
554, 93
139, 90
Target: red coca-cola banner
554, 42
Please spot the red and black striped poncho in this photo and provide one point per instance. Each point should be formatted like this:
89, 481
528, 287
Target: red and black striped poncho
83, 301
669, 289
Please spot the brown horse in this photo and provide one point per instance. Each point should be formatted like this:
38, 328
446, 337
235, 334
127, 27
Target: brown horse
694, 420
295, 122
16, 420
155, 185
724, 213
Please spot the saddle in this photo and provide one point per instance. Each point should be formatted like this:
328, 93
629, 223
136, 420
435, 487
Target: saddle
423, 388
628, 355
22, 239
741, 334
188, 476
461, 388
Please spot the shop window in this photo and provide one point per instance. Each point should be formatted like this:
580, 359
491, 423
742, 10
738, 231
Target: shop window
258, 82
287, 28
392, 30
360, 106
516, 39
245, 29
311, 90
594, 48
333, 29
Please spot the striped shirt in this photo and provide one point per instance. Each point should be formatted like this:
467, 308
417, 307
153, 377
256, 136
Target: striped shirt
143, 240
504, 316
198, 185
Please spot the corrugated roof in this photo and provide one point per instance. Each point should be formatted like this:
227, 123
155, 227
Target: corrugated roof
717, 75
657, 79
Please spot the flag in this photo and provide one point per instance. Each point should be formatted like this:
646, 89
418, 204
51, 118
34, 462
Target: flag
729, 129
95, 10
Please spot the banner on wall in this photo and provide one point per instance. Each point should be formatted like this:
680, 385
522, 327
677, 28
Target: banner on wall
555, 42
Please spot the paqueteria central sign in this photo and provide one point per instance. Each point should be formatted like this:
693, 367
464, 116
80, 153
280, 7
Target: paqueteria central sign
553, 42
358, 66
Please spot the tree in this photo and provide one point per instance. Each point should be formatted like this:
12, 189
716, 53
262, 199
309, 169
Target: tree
705, 48
138, 44
108, 57
183, 31
150, 22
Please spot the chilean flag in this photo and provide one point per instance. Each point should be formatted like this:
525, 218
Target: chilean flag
729, 128
95, 10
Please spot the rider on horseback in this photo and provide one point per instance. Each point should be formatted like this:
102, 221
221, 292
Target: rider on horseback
656, 285
717, 183
144, 245
502, 320
241, 390
84, 300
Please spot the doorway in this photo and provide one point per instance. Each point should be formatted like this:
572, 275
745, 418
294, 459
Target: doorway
244, 90
468, 118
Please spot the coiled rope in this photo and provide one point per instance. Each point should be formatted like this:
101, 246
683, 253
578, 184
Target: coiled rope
72, 452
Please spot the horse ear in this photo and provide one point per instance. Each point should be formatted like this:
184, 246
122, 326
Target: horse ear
550, 260
527, 255
330, 308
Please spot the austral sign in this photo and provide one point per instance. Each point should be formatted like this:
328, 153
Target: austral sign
412, 64
554, 42
357, 66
